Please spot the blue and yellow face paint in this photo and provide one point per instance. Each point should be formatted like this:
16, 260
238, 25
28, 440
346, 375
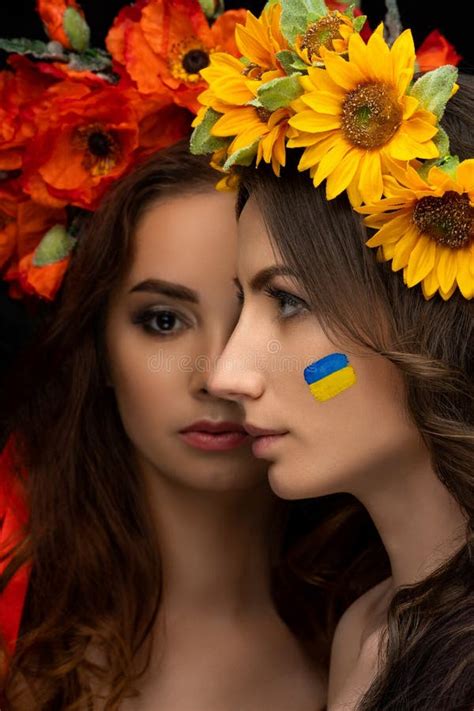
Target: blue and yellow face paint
329, 376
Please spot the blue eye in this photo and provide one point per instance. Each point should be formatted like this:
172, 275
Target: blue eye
289, 305
167, 322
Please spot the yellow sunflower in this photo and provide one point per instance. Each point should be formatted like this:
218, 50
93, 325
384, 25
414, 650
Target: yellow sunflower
356, 113
235, 83
230, 180
332, 31
426, 228
248, 124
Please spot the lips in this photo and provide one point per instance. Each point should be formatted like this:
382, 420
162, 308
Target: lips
214, 427
259, 432
214, 436
264, 439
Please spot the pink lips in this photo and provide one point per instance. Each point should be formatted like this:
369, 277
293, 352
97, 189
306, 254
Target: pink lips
264, 439
214, 436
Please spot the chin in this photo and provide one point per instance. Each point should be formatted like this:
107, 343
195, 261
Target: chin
225, 482
299, 482
283, 483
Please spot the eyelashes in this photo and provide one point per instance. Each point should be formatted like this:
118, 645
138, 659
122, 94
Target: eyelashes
289, 305
168, 319
294, 303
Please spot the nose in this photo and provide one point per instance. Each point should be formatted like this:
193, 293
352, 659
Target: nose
237, 375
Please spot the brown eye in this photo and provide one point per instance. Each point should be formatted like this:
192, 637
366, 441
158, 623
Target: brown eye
162, 322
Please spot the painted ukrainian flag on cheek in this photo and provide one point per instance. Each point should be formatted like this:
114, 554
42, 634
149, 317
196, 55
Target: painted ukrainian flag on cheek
329, 376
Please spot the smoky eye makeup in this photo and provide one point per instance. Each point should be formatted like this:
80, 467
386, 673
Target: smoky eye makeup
160, 321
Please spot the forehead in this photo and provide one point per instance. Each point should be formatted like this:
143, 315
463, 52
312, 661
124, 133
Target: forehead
255, 249
182, 238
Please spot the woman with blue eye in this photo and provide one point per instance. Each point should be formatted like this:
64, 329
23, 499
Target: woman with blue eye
160, 560
377, 402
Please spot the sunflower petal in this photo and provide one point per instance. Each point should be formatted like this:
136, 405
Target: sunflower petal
403, 58
464, 276
404, 248
421, 260
343, 73
342, 175
465, 174
446, 267
370, 182
312, 122
391, 232
313, 154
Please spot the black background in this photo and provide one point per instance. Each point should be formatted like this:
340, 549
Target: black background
18, 18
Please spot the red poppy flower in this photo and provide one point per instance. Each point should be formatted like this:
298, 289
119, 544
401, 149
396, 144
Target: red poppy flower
164, 44
85, 140
160, 125
24, 226
436, 51
18, 89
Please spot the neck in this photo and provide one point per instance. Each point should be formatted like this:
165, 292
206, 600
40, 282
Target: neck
214, 547
419, 521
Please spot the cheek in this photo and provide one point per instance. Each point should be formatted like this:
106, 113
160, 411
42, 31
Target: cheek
145, 384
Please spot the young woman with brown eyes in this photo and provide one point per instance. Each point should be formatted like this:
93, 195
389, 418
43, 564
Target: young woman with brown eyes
160, 561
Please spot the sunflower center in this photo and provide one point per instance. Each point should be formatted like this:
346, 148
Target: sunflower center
321, 34
371, 115
252, 70
263, 114
195, 60
101, 149
448, 219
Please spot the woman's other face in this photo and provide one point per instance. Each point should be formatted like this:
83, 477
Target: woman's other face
353, 440
166, 326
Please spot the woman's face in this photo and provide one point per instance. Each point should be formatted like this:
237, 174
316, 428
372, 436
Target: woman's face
356, 439
166, 326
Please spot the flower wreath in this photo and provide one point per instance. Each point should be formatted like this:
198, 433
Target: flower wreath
307, 79
73, 119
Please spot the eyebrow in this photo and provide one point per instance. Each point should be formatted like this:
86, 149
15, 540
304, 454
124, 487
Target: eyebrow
265, 276
167, 288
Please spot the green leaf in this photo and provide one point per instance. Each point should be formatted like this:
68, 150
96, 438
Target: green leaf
441, 141
92, 60
298, 14
244, 156
433, 90
212, 8
299, 65
280, 92
55, 245
287, 59
77, 29
202, 142
448, 164
359, 22
41, 50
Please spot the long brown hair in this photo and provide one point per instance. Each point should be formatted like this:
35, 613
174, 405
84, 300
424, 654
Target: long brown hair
429, 660
93, 554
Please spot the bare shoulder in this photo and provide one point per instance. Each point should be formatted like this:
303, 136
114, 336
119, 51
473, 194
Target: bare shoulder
348, 637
